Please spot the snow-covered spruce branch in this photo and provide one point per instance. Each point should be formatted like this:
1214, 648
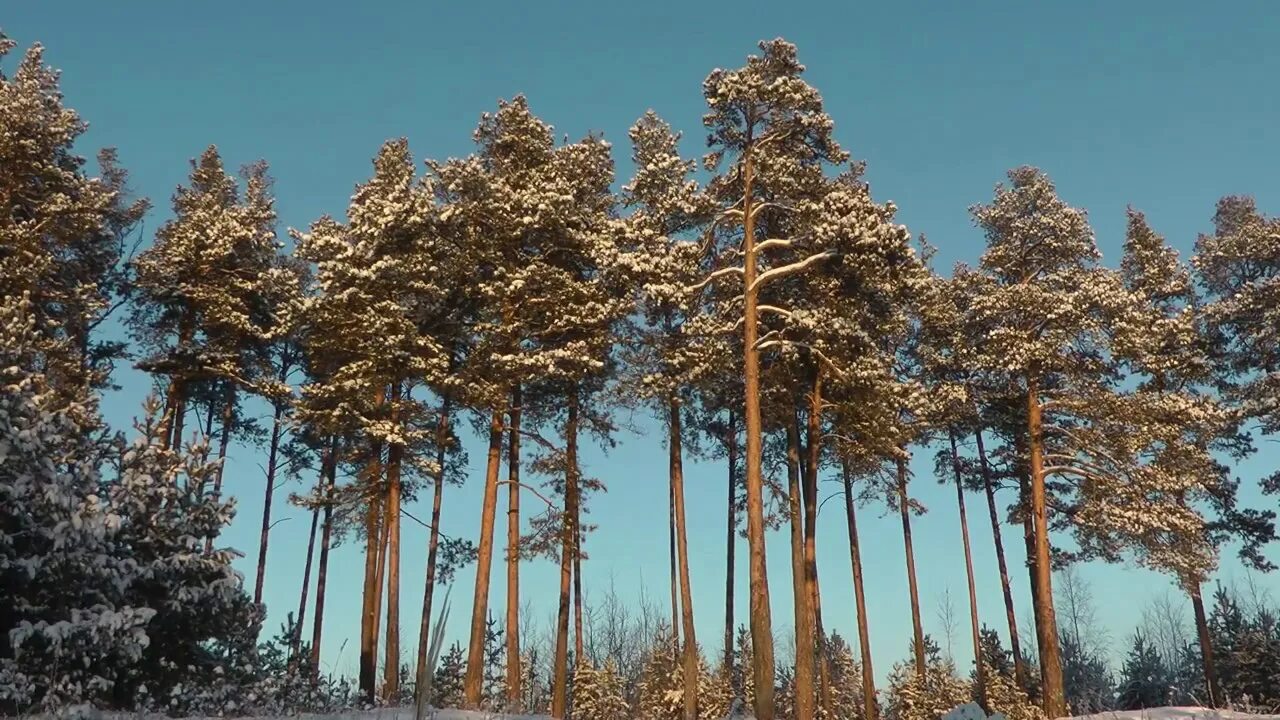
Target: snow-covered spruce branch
799, 266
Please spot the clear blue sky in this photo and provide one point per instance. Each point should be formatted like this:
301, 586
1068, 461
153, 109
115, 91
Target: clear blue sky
1163, 105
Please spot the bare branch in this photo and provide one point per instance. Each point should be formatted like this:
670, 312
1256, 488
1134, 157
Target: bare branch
772, 243
540, 496
713, 277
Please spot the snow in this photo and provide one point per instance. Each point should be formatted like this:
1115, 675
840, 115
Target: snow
1174, 713
386, 713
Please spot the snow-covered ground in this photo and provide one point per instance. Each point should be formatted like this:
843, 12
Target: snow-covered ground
1178, 713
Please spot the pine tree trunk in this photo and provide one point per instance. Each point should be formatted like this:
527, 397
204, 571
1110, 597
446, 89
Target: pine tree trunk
474, 683
980, 684
322, 573
809, 493
373, 549
560, 681
380, 578
761, 620
1019, 667
1055, 704
296, 641
917, 627
577, 592
391, 682
228, 419
1206, 647
268, 492
675, 565
676, 449
433, 546
176, 397
870, 709
804, 685
513, 552
730, 542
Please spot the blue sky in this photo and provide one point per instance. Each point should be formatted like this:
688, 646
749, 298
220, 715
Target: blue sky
1163, 105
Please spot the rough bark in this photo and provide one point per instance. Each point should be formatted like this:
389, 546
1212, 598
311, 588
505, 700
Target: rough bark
980, 679
731, 541
170, 429
513, 550
559, 686
1015, 645
804, 672
224, 439
870, 709
433, 546
577, 592
326, 535
917, 627
380, 578
676, 462
761, 620
1055, 704
473, 685
1206, 647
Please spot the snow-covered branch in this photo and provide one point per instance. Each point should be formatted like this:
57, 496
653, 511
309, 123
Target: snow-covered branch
713, 277
773, 243
795, 267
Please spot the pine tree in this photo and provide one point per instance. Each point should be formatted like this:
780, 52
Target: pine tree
598, 693
64, 235
910, 697
447, 684
1144, 681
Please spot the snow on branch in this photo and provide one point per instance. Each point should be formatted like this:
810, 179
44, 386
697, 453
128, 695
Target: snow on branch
772, 243
713, 277
793, 268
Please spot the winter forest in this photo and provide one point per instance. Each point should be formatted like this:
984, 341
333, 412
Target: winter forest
522, 303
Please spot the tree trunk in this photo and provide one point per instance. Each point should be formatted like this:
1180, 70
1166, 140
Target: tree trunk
1055, 704
869, 706
904, 507
267, 493
809, 494
322, 573
433, 545
675, 565
513, 551
559, 688
980, 684
730, 541
761, 620
577, 592
224, 439
373, 549
380, 578
474, 683
804, 695
296, 641
391, 682
1206, 647
170, 430
676, 449
1019, 667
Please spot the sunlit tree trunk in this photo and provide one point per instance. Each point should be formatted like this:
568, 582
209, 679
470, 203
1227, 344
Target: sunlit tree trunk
373, 550
1206, 646
761, 620
809, 493
1055, 704
273, 454
674, 562
473, 685
296, 640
